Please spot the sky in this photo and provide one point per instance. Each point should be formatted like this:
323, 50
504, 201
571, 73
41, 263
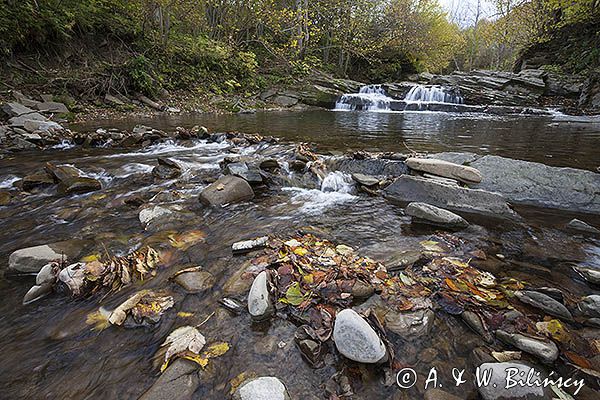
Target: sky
463, 11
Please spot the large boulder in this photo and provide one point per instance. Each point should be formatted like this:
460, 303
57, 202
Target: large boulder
368, 166
408, 189
432, 215
530, 183
16, 109
226, 190
262, 388
446, 169
31, 259
70, 180
179, 382
356, 339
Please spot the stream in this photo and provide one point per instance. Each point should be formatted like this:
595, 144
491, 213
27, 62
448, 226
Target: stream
50, 352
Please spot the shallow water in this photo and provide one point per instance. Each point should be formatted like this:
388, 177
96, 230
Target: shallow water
49, 352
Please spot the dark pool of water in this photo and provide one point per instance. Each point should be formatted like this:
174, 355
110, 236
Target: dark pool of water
532, 138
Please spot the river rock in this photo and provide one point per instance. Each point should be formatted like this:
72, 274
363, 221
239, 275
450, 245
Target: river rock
416, 189
590, 306
151, 214
356, 339
37, 292
446, 169
580, 226
530, 183
269, 164
179, 382
545, 350
262, 388
16, 109
241, 169
21, 120
52, 107
71, 181
497, 388
32, 259
371, 167
42, 126
544, 303
474, 322
37, 179
226, 190
166, 169
426, 213
195, 281
366, 180
591, 275
410, 325
249, 245
362, 290
260, 305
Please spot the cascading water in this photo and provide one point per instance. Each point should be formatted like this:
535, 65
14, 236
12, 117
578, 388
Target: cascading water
432, 94
368, 98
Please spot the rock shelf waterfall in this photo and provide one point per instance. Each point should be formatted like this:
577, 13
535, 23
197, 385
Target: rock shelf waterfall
418, 98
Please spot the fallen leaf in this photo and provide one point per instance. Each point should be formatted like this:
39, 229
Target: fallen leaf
184, 314
99, 319
504, 356
185, 338
293, 295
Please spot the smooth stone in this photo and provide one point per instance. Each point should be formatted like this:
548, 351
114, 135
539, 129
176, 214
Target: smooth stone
546, 351
580, 226
591, 275
496, 389
263, 388
179, 382
46, 274
446, 169
259, 298
544, 303
166, 169
249, 245
35, 180
427, 213
406, 189
590, 306
362, 290
195, 281
226, 190
474, 322
365, 180
410, 325
80, 185
356, 339
33, 259
37, 292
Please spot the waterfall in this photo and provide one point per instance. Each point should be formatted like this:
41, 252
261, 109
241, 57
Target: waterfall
432, 94
368, 98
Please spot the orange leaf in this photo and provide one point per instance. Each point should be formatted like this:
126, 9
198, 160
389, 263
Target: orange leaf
578, 360
451, 284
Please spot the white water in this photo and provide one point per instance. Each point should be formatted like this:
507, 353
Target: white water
431, 94
336, 188
375, 98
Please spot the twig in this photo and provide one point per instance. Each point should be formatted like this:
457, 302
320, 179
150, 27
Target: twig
205, 320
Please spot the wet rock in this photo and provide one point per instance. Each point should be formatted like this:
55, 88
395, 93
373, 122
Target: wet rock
356, 339
47, 274
530, 183
544, 303
432, 215
263, 388
591, 275
238, 284
445, 169
179, 382
362, 290
21, 120
73, 276
580, 226
403, 260
415, 189
37, 292
5, 198
260, 305
590, 306
241, 169
365, 180
52, 107
32, 259
153, 214
16, 109
410, 325
370, 166
166, 169
269, 164
497, 388
226, 190
474, 322
249, 245
545, 350
195, 281
38, 179
80, 185
297, 165
42, 126
284, 101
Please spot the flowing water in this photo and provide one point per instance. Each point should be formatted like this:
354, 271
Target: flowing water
48, 351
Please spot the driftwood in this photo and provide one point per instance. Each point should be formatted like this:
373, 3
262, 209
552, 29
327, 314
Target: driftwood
150, 103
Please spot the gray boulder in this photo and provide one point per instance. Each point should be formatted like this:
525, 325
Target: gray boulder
16, 109
497, 387
260, 305
445, 169
21, 120
407, 189
179, 382
428, 214
241, 169
195, 281
356, 339
366, 180
371, 166
544, 303
52, 107
263, 388
226, 190
31, 259
590, 306
591, 275
153, 216
543, 349
530, 183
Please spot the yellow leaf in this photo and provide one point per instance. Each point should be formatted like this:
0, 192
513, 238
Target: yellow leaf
216, 350
300, 251
90, 258
184, 314
99, 319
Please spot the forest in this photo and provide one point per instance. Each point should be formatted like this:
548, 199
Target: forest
234, 46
